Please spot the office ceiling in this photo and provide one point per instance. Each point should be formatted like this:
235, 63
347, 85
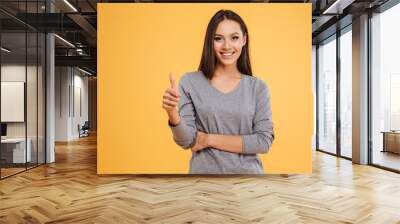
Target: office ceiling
76, 22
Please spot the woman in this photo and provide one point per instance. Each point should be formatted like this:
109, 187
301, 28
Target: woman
224, 112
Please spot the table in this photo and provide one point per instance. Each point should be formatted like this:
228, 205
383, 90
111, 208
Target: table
15, 148
391, 141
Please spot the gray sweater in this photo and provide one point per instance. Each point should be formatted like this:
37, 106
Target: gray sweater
244, 111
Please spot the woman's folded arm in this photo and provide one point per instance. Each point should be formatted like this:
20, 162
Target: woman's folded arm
262, 136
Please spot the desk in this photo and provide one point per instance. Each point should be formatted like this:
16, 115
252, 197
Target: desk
391, 141
15, 148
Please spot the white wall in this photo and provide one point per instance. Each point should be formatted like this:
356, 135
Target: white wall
12, 73
80, 83
33, 127
62, 80
71, 87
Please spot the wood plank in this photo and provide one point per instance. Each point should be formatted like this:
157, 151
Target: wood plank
70, 191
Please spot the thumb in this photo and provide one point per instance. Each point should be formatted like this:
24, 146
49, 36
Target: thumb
172, 81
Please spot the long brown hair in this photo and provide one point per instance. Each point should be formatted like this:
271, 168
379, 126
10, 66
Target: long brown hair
208, 58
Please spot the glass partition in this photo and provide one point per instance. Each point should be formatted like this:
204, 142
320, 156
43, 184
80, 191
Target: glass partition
22, 88
327, 95
32, 95
14, 154
41, 87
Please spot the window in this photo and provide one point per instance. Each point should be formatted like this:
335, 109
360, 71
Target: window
327, 95
385, 88
346, 92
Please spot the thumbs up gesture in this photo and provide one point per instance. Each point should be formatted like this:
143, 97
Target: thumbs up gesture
171, 96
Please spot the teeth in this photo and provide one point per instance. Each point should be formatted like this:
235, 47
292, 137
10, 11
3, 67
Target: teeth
227, 54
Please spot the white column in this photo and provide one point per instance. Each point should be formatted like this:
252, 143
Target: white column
360, 90
50, 91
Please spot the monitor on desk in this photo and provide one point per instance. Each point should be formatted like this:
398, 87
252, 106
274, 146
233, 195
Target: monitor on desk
3, 130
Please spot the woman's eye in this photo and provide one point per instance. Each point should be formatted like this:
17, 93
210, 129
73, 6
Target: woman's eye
235, 37
217, 38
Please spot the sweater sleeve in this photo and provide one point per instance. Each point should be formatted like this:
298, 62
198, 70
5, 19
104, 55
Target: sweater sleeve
184, 133
262, 136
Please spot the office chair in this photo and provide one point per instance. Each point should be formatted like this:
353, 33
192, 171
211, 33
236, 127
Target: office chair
84, 130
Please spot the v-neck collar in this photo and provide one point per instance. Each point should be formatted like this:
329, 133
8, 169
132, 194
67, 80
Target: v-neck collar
219, 91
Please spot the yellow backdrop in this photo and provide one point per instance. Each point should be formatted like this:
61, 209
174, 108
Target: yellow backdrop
139, 44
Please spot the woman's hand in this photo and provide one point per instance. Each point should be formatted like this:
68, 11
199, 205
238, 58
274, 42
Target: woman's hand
202, 141
170, 101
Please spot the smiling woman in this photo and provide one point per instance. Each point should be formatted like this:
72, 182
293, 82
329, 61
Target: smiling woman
224, 112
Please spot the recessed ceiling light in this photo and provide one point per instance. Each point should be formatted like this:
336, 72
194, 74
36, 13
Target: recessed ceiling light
64, 40
84, 71
70, 5
338, 6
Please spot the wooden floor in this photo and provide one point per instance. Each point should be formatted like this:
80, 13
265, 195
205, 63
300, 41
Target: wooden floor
5, 172
69, 191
